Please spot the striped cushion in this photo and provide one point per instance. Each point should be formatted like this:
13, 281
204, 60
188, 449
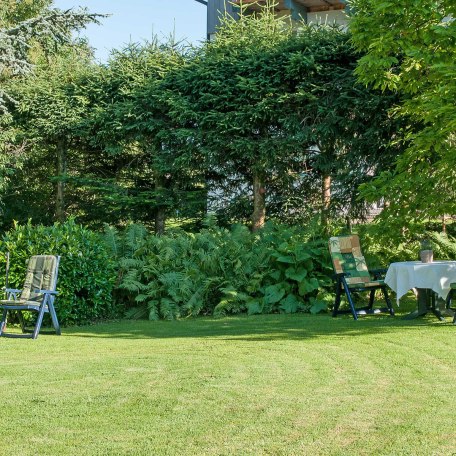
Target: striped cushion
347, 258
41, 273
372, 283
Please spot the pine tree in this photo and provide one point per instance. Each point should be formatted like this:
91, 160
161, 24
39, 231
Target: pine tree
50, 29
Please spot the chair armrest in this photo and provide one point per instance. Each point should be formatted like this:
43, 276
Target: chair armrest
51, 292
12, 290
11, 293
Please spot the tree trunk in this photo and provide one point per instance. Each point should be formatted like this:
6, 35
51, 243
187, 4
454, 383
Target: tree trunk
160, 212
160, 221
325, 199
61, 171
259, 201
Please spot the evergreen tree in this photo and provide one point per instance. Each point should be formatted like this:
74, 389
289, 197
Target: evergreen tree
277, 111
48, 29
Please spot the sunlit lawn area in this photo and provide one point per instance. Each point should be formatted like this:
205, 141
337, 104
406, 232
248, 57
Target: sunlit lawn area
265, 385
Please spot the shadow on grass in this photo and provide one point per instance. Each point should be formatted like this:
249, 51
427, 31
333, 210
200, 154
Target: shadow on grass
257, 328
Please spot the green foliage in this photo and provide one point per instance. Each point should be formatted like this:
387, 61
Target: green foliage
130, 123
444, 245
43, 126
108, 129
411, 48
43, 103
220, 271
23, 26
426, 244
86, 272
383, 245
268, 99
167, 131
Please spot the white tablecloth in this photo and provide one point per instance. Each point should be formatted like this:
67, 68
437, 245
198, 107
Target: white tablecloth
437, 276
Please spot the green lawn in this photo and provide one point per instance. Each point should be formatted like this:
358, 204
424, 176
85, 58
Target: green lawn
265, 385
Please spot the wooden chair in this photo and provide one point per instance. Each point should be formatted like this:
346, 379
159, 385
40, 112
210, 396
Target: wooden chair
37, 295
352, 275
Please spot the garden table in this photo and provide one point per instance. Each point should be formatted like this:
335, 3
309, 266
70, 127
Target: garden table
427, 279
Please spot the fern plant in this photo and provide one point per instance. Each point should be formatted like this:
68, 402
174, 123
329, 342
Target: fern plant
443, 245
219, 271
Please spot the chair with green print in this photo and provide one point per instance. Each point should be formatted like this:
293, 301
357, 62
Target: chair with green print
352, 275
449, 301
37, 295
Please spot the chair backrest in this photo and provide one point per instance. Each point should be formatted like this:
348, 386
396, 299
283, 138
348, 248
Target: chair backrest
347, 258
42, 271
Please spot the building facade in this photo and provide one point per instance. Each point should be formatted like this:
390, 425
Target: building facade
311, 11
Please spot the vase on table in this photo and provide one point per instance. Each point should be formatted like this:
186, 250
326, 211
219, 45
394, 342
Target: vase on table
426, 256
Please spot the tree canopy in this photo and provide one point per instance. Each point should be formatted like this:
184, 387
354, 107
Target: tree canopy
25, 25
411, 48
31, 33
265, 121
280, 110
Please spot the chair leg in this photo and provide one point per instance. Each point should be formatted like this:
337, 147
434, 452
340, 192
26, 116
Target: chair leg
3, 322
388, 301
350, 300
21, 320
449, 302
55, 321
39, 320
338, 298
450, 296
371, 299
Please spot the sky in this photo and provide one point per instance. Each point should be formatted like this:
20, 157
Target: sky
139, 20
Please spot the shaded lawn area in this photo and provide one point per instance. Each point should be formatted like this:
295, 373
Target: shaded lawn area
263, 385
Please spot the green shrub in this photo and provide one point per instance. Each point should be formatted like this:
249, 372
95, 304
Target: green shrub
219, 271
86, 272
382, 245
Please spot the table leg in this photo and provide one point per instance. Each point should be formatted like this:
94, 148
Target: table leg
423, 299
441, 310
423, 304
436, 310
426, 302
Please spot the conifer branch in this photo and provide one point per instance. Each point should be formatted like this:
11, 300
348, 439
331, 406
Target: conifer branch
49, 30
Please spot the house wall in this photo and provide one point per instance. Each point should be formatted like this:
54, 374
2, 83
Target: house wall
215, 10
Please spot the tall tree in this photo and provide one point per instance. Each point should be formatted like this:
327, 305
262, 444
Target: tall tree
130, 118
347, 124
411, 48
19, 33
229, 99
259, 99
29, 31
50, 106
